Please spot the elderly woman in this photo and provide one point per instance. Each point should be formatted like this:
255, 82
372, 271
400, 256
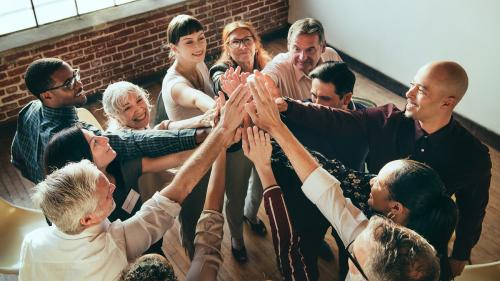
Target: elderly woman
243, 51
127, 106
78, 198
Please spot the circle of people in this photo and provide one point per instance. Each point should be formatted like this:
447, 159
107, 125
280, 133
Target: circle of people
241, 130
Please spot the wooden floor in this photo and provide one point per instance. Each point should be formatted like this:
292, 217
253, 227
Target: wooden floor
261, 264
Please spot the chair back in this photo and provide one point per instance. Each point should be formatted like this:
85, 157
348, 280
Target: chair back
15, 223
86, 116
481, 272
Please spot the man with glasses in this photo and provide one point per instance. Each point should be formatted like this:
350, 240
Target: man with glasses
306, 50
59, 91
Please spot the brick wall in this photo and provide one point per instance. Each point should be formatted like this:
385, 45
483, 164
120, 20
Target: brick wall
131, 48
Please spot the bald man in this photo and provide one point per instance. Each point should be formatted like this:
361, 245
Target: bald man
425, 131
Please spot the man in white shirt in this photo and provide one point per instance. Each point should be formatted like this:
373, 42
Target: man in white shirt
82, 244
379, 249
306, 50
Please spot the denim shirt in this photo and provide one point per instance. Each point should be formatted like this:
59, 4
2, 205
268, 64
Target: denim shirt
37, 123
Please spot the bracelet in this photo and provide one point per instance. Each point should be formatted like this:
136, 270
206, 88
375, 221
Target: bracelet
165, 126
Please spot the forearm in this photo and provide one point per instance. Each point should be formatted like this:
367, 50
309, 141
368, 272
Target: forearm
303, 163
193, 122
266, 175
151, 143
151, 165
285, 238
216, 185
197, 165
204, 102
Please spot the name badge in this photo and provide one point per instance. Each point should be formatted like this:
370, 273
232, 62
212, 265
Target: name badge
130, 201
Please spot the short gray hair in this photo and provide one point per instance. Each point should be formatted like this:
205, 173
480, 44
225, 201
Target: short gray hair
68, 194
114, 98
399, 253
307, 26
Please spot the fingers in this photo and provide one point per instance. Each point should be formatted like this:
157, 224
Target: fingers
252, 112
251, 137
268, 139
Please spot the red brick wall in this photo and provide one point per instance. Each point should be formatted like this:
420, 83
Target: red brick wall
130, 48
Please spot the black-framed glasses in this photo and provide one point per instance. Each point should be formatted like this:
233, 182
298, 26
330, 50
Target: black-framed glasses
70, 83
354, 260
235, 43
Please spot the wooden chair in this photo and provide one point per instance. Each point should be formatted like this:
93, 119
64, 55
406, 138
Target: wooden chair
15, 223
481, 272
87, 117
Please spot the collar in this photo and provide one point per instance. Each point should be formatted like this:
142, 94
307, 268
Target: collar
60, 114
89, 232
436, 137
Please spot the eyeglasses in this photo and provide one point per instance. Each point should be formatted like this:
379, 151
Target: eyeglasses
354, 260
235, 43
70, 83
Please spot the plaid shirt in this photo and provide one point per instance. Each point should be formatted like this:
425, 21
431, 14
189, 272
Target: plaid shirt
37, 124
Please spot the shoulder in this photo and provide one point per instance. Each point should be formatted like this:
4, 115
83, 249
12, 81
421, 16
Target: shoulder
220, 67
330, 55
473, 150
33, 106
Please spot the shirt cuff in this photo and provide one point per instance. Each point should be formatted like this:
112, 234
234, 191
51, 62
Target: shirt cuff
317, 183
187, 138
170, 207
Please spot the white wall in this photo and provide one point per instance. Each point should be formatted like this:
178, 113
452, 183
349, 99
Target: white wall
397, 37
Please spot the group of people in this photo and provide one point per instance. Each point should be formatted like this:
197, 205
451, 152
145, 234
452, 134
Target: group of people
284, 130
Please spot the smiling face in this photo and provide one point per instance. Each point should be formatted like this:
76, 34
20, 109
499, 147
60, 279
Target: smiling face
305, 50
424, 98
64, 96
102, 153
244, 52
380, 196
135, 113
191, 47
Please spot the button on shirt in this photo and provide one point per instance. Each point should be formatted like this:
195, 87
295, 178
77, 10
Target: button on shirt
38, 123
292, 82
462, 161
100, 252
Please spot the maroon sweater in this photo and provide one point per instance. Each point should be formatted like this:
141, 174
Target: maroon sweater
460, 159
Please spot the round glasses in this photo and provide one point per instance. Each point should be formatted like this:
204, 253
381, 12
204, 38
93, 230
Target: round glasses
235, 43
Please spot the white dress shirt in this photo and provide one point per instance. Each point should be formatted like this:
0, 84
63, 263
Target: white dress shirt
324, 191
292, 82
100, 252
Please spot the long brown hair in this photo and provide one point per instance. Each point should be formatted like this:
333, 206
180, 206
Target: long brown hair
261, 55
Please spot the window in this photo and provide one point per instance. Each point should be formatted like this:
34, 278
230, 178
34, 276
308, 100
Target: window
23, 14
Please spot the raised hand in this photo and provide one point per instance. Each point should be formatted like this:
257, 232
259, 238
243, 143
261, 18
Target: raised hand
263, 111
231, 79
257, 147
231, 113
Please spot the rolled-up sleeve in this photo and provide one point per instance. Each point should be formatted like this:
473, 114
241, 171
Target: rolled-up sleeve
324, 191
207, 256
149, 224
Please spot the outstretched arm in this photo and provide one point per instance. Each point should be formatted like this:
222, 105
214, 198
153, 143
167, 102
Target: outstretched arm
257, 147
198, 164
186, 96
